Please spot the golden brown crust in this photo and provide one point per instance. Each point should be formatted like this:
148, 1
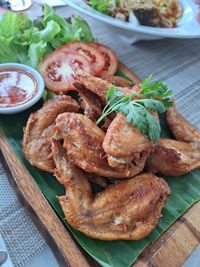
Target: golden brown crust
181, 129
40, 130
119, 81
122, 140
173, 158
127, 210
90, 102
180, 156
83, 142
132, 165
97, 85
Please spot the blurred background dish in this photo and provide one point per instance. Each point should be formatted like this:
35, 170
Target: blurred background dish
155, 13
132, 31
16, 5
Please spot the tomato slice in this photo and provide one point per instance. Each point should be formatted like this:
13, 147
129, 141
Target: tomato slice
91, 53
111, 61
57, 70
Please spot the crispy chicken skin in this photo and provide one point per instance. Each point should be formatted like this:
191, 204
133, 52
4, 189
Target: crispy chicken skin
40, 130
126, 147
91, 104
176, 157
128, 210
173, 158
98, 180
119, 81
122, 140
99, 86
83, 142
133, 165
181, 129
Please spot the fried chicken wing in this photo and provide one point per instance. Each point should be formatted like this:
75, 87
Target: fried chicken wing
83, 142
128, 210
133, 165
98, 180
119, 81
40, 130
99, 86
176, 157
126, 147
122, 140
173, 158
91, 104
180, 127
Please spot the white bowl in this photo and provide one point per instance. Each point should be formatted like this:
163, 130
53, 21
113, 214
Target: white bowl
187, 26
34, 99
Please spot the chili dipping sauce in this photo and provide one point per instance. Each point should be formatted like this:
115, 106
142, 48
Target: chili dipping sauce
16, 87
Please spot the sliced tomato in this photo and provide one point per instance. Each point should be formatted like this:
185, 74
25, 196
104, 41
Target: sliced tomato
57, 70
91, 53
111, 61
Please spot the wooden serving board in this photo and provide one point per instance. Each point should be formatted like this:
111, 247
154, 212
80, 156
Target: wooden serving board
171, 249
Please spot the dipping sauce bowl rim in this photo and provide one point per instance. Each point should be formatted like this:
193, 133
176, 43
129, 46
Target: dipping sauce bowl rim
40, 88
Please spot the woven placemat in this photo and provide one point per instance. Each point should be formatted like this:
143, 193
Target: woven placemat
22, 238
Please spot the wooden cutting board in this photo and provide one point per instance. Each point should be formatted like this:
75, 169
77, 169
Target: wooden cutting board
171, 250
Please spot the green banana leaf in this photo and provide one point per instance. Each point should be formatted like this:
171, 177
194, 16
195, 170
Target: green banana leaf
185, 191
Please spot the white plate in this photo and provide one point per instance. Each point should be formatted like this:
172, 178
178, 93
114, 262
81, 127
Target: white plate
187, 26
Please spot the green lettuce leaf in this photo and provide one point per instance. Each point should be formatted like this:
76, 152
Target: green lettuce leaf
81, 29
25, 41
35, 52
74, 29
47, 34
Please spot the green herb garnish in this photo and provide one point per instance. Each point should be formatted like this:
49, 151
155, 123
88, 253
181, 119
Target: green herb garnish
153, 96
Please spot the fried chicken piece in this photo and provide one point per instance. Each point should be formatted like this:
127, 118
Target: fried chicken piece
173, 158
119, 81
176, 157
181, 129
40, 130
91, 105
126, 147
133, 164
122, 140
98, 180
83, 142
99, 86
128, 210
119, 163
90, 102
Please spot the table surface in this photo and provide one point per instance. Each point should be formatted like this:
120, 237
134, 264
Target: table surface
177, 62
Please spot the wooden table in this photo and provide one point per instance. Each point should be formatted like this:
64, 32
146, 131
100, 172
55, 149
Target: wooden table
177, 62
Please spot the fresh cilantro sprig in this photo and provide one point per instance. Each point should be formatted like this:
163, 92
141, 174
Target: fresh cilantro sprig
137, 107
157, 90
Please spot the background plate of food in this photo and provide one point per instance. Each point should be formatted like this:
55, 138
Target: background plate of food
139, 20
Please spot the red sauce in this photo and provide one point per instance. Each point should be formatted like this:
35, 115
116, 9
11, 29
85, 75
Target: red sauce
16, 87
